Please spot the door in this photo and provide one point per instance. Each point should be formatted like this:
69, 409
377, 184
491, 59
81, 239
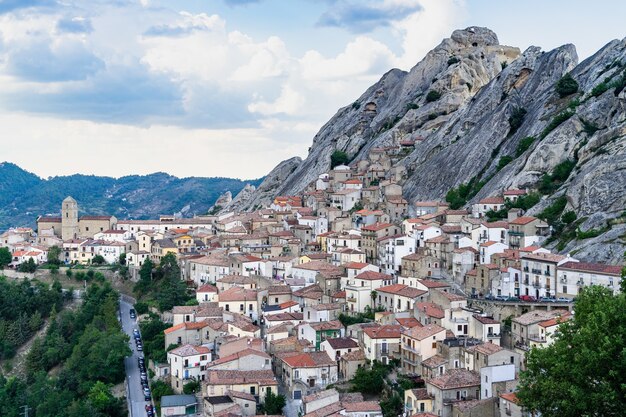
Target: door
297, 395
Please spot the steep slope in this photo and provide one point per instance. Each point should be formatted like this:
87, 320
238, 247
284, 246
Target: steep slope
399, 106
24, 196
499, 123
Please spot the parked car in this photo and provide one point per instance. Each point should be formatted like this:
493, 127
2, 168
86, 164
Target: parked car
528, 298
546, 300
147, 396
140, 348
501, 298
136, 332
133, 314
490, 297
563, 300
512, 298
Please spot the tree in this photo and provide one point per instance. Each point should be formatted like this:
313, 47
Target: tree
274, 404
338, 158
98, 260
5, 257
583, 373
369, 381
122, 259
373, 296
566, 86
54, 255
28, 266
191, 387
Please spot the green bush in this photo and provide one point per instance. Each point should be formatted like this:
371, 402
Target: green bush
453, 60
356, 105
516, 119
588, 127
412, 106
566, 86
600, 89
338, 158
433, 95
591, 233
141, 307
98, 260
568, 217
556, 122
552, 213
504, 161
523, 145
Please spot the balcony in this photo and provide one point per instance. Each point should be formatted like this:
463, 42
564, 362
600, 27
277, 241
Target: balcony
536, 271
351, 299
536, 284
493, 335
460, 320
410, 361
409, 349
525, 269
513, 233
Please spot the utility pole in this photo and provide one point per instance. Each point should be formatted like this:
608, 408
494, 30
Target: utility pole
26, 409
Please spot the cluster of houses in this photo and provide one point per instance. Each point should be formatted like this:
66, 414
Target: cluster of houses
432, 287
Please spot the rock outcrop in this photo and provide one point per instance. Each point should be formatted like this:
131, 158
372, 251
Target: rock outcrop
251, 198
465, 131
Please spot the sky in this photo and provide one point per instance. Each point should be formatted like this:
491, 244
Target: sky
227, 87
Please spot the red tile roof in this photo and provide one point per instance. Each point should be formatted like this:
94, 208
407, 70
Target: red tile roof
592, 267
389, 331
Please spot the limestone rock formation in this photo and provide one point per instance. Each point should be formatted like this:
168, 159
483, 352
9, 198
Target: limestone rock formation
460, 99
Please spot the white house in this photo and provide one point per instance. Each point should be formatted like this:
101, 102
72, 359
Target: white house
187, 363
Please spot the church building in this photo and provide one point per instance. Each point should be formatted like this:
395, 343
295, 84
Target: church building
70, 226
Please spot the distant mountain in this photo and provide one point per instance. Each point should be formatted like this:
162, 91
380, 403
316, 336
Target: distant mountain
24, 196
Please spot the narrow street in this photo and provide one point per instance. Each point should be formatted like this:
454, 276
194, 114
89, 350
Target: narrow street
135, 398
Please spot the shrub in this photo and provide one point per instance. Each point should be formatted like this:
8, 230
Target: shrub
552, 213
523, 145
504, 64
453, 60
550, 182
556, 122
568, 217
566, 86
69, 273
433, 95
504, 161
600, 89
412, 106
98, 260
141, 307
356, 105
338, 158
589, 127
516, 119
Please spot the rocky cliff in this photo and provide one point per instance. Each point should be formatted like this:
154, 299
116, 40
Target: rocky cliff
497, 121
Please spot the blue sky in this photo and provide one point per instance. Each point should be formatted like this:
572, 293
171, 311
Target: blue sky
226, 87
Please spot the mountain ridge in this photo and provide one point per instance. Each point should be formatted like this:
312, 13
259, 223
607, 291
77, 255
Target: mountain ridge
465, 133
24, 195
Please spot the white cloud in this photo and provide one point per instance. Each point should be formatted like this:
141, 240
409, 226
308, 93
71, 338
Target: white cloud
174, 81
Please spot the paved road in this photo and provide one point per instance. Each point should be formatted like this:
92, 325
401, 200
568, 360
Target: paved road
135, 397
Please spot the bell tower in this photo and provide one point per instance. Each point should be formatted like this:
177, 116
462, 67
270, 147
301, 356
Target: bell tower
69, 220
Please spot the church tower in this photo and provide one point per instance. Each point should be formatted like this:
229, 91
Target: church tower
69, 220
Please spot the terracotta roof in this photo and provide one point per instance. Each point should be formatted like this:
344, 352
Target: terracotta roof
492, 200
523, 220
389, 331
408, 322
592, 267
238, 355
373, 276
510, 396
496, 225
237, 294
537, 316
362, 406
486, 348
355, 265
326, 325
235, 377
207, 288
279, 289
547, 257
429, 283
342, 343
355, 355
376, 227
485, 320
557, 320
309, 360
434, 361
456, 378
242, 395
189, 350
421, 394
402, 290
421, 333
189, 325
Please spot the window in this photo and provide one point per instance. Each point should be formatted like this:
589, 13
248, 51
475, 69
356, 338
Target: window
512, 359
241, 307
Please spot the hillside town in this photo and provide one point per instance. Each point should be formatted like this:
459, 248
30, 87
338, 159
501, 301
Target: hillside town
303, 296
